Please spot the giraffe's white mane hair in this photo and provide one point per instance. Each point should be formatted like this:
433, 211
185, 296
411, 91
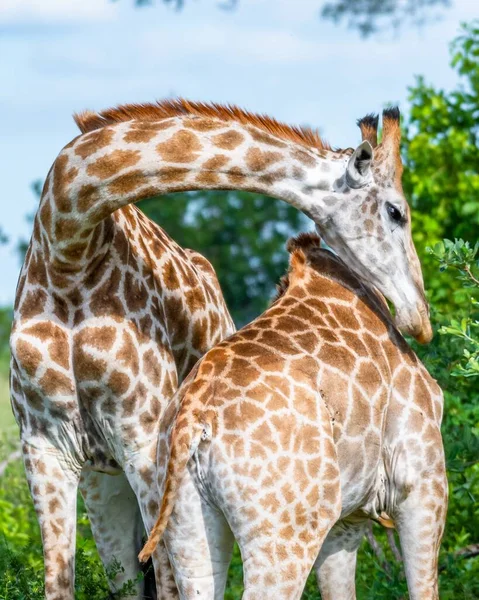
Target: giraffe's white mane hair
164, 109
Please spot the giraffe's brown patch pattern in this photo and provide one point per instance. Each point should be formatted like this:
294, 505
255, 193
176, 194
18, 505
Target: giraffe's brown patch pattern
273, 177
195, 299
199, 337
152, 368
28, 357
216, 162
74, 252
86, 198
45, 214
243, 372
127, 183
62, 179
298, 173
263, 137
170, 276
136, 293
229, 140
303, 157
111, 164
201, 124
55, 337
259, 160
60, 279
119, 383
33, 303
208, 179
175, 313
236, 176
92, 142
37, 273
172, 175
54, 382
147, 421
182, 147
369, 377
128, 354
144, 133
105, 300
65, 228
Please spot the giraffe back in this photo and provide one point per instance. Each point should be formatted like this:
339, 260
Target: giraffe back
317, 381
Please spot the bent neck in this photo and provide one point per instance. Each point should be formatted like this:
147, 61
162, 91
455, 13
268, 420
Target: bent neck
105, 170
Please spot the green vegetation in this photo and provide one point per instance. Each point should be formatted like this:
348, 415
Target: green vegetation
243, 235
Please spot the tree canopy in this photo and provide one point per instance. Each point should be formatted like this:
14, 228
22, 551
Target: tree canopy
366, 16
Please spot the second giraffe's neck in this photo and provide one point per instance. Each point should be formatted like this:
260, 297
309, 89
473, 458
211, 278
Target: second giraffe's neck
109, 168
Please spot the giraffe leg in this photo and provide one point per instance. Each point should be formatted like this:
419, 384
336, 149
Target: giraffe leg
199, 543
279, 546
278, 567
116, 524
420, 520
53, 481
336, 564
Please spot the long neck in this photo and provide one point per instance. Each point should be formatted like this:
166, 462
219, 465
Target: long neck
109, 168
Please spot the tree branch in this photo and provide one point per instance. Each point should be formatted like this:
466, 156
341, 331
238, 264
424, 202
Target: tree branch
467, 552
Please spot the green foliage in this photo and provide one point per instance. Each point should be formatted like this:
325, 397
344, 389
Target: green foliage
441, 152
6, 315
463, 259
242, 234
21, 566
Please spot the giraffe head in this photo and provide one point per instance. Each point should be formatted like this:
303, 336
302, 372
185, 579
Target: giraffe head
354, 196
367, 221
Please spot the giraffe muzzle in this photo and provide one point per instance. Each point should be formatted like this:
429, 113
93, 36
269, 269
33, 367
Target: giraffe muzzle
414, 321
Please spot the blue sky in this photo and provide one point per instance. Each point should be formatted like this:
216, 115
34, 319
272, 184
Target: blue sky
273, 56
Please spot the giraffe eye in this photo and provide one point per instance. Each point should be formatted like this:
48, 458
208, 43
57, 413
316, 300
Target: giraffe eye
394, 213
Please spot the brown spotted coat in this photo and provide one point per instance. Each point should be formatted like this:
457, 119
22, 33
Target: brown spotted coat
295, 432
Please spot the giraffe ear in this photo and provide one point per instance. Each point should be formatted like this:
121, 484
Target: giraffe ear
358, 171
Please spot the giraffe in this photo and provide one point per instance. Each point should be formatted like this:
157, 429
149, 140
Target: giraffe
292, 434
110, 314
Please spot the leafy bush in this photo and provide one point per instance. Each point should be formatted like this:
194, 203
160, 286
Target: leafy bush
21, 564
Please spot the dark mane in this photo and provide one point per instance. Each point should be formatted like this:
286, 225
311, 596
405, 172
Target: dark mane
304, 241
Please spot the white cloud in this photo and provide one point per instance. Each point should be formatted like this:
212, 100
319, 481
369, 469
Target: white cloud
20, 12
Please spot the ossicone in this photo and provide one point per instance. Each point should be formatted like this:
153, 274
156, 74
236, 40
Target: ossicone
369, 128
391, 127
